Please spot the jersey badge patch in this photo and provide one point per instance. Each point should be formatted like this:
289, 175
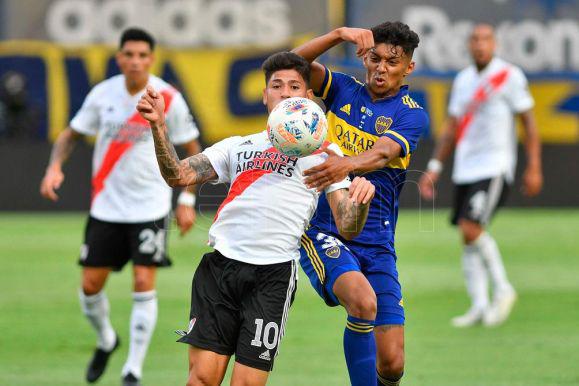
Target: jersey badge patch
333, 252
383, 124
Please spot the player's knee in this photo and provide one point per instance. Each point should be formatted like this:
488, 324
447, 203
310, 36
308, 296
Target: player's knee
391, 366
470, 231
143, 283
364, 307
91, 286
197, 378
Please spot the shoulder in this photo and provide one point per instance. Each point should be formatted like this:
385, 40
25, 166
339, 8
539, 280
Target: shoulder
465, 74
108, 85
410, 112
162, 86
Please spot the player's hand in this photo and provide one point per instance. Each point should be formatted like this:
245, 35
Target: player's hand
332, 170
185, 216
532, 182
427, 185
151, 106
362, 38
361, 191
51, 182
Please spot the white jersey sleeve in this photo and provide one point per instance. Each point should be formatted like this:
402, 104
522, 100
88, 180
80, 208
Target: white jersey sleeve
86, 120
218, 155
454, 105
182, 127
518, 95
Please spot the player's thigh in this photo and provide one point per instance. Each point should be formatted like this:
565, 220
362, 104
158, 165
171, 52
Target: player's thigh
94, 279
356, 294
214, 314
248, 376
264, 311
470, 230
105, 245
148, 243
324, 258
206, 367
390, 349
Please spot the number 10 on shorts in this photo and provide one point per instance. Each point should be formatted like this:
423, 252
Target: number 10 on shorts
263, 336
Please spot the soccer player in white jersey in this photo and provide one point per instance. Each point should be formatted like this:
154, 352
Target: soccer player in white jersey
485, 98
243, 290
130, 200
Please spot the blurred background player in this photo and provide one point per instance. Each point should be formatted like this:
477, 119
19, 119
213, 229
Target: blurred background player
480, 128
130, 201
242, 291
376, 124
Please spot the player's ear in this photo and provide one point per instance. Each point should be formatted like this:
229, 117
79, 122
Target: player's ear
264, 97
310, 93
410, 68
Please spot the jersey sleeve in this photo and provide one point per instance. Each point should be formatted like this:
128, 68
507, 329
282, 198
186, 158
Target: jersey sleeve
518, 94
454, 105
407, 129
218, 155
86, 120
182, 127
333, 83
345, 183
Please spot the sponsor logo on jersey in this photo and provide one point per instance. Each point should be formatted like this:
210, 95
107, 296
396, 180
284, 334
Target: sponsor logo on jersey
383, 124
333, 252
265, 356
248, 142
367, 111
268, 160
346, 108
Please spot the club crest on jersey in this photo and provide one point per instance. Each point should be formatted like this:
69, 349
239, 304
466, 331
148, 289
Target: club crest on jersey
383, 124
333, 252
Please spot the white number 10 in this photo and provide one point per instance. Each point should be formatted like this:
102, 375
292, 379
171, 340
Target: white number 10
258, 340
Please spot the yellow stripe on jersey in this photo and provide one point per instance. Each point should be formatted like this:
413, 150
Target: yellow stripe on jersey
353, 141
358, 327
407, 150
314, 257
327, 88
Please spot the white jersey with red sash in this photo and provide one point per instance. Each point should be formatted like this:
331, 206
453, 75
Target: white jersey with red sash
485, 104
127, 186
268, 205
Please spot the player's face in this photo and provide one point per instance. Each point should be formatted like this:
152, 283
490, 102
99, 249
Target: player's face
285, 84
135, 59
482, 45
386, 66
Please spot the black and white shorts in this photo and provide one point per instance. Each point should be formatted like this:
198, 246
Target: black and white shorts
109, 244
478, 201
239, 308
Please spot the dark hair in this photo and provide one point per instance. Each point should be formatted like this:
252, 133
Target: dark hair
397, 34
286, 60
137, 34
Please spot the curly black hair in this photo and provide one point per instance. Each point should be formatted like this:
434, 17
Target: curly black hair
397, 34
286, 60
136, 34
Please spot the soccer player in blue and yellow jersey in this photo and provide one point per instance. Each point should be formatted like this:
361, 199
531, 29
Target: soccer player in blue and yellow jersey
377, 125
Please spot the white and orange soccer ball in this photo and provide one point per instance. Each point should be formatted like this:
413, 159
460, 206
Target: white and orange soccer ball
297, 127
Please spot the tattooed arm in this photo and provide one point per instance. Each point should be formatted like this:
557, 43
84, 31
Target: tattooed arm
193, 170
350, 207
61, 150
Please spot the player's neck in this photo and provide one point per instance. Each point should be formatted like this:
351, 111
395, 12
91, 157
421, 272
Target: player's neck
375, 97
134, 86
480, 67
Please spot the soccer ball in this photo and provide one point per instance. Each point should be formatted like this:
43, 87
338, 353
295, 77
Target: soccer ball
297, 127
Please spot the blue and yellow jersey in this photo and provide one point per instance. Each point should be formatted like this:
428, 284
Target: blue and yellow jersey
355, 123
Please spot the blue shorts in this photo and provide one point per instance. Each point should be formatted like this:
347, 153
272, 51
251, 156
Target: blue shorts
325, 257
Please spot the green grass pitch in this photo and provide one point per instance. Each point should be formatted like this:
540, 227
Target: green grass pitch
44, 339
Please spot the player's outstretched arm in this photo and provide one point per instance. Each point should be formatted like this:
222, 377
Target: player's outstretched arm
190, 171
336, 168
350, 207
61, 150
311, 50
443, 150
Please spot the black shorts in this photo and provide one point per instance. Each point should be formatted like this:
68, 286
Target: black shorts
239, 308
109, 244
479, 200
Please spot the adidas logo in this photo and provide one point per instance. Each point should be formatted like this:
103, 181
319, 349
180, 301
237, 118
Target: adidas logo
346, 108
248, 142
265, 356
